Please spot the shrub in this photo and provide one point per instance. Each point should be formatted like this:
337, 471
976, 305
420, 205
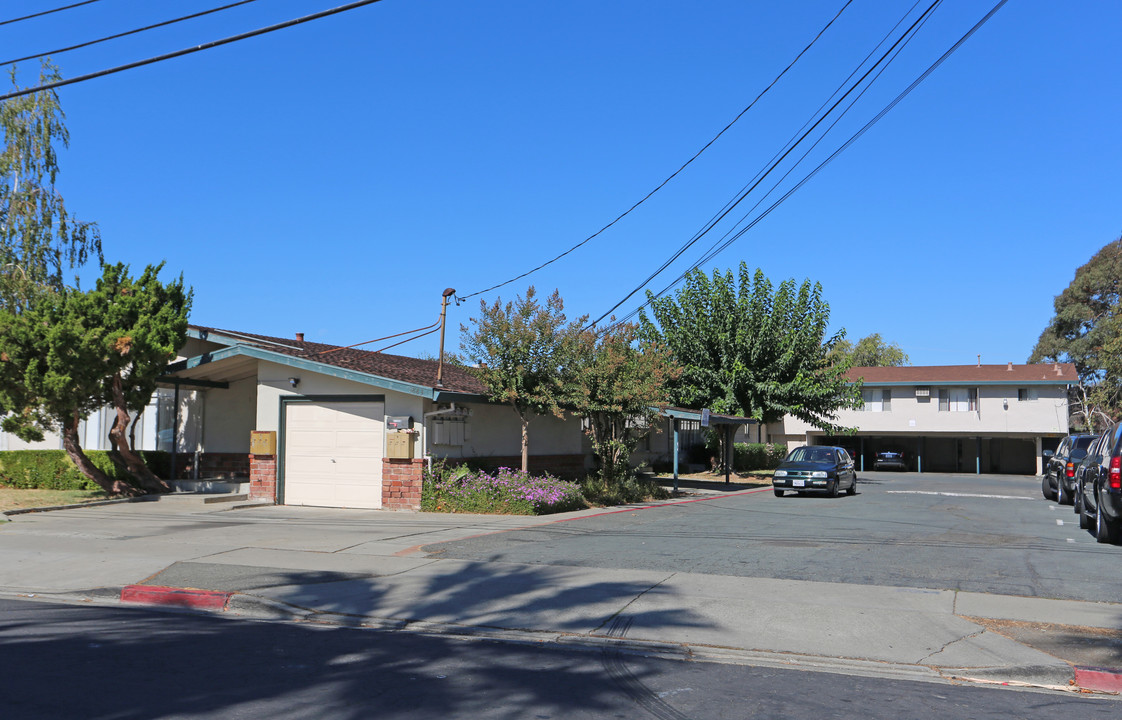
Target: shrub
631, 490
53, 469
505, 491
757, 456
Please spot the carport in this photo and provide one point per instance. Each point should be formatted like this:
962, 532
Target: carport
1015, 455
706, 419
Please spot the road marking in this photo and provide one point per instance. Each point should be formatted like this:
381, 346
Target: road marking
1059, 521
951, 494
1071, 540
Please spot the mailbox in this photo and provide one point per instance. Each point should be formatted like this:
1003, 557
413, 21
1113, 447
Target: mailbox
399, 422
263, 442
399, 445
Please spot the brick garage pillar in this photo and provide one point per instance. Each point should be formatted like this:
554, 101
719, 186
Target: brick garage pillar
401, 484
263, 477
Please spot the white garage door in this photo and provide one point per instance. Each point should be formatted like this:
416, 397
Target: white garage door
333, 454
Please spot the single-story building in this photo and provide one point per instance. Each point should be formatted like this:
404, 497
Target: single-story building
951, 418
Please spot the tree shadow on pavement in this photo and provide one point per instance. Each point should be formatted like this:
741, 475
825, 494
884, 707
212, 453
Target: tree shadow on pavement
139, 663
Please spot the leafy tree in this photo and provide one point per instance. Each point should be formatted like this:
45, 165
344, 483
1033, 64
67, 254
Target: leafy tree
870, 351
1085, 331
39, 240
72, 352
752, 349
621, 382
52, 375
146, 322
525, 351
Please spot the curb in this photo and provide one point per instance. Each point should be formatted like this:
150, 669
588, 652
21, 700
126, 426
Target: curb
1100, 679
1086, 679
175, 597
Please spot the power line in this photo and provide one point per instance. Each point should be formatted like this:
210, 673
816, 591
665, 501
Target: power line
791, 142
59, 51
47, 12
188, 51
676, 172
388, 337
415, 337
907, 91
713, 223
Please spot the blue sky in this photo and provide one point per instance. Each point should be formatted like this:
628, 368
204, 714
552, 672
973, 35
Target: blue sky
334, 178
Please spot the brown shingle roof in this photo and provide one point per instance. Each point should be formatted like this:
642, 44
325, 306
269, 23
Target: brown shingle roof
1055, 373
394, 367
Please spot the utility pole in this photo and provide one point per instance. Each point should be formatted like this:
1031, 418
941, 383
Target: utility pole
443, 313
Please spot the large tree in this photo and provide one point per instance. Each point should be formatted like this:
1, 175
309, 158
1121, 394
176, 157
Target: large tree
621, 381
73, 352
525, 351
869, 351
749, 348
39, 241
1086, 331
145, 322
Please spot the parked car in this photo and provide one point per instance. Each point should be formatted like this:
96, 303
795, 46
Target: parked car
1084, 469
1059, 471
890, 460
816, 468
1102, 489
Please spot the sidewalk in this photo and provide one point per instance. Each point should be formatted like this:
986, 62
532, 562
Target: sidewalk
368, 568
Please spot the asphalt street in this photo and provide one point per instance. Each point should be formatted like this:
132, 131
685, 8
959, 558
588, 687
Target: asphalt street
62, 661
941, 580
987, 534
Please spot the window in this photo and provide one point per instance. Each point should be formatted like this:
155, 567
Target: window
876, 399
958, 399
1027, 394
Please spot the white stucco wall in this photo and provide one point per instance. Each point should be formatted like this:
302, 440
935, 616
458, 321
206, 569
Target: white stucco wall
495, 430
999, 413
273, 383
230, 417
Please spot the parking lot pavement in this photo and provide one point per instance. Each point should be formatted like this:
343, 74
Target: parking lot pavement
367, 567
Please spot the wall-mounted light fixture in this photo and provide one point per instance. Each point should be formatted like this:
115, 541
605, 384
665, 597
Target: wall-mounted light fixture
294, 381
1005, 403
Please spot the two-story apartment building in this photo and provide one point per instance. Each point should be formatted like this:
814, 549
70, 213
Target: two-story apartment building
951, 418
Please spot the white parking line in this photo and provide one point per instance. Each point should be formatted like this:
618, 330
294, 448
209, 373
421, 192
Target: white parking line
951, 494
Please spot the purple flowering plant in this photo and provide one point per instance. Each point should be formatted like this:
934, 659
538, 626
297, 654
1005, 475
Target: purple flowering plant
505, 491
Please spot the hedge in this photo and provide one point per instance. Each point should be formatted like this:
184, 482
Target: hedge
53, 469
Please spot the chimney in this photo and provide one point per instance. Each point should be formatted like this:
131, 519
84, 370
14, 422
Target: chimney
1010, 368
979, 361
299, 337
1059, 370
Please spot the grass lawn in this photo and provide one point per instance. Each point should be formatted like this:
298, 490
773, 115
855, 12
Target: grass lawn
21, 498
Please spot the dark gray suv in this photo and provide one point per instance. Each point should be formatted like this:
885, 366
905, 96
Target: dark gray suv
1058, 482
1102, 489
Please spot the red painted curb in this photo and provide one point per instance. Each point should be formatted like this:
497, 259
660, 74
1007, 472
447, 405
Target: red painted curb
1103, 679
178, 597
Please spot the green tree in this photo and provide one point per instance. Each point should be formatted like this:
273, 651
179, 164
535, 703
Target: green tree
73, 352
620, 382
870, 351
525, 351
39, 241
52, 373
146, 323
751, 349
1085, 331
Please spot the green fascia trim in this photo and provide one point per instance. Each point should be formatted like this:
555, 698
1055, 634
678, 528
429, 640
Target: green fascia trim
450, 396
302, 364
188, 382
966, 383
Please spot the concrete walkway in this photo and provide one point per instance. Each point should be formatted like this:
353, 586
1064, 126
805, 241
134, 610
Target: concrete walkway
367, 568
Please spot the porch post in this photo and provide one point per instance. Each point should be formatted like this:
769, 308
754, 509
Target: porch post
674, 431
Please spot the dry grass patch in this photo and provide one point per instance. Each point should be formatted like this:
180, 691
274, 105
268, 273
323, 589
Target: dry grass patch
23, 498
